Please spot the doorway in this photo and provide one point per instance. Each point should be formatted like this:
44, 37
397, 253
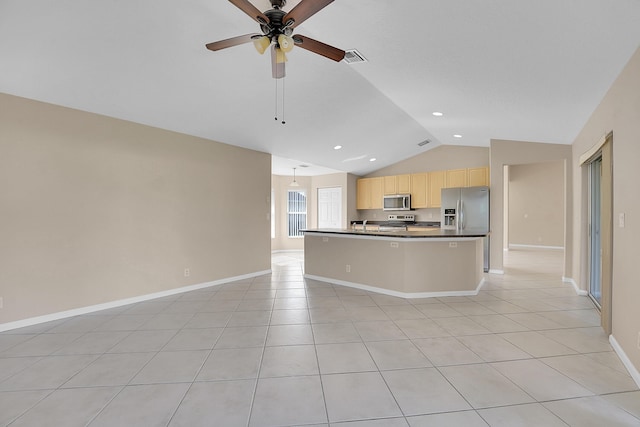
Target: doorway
330, 207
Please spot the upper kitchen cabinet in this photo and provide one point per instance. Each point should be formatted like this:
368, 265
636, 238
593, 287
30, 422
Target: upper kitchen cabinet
369, 192
456, 178
436, 184
363, 194
376, 192
403, 183
419, 190
397, 184
478, 176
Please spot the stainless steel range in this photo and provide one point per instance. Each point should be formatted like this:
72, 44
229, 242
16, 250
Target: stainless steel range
397, 222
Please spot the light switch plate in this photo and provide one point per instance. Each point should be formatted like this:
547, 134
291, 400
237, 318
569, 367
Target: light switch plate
621, 220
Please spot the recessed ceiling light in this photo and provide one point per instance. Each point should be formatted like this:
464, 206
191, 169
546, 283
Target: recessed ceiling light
337, 147
373, 159
457, 136
437, 113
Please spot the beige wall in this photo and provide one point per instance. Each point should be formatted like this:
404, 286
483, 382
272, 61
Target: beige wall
94, 209
536, 204
505, 152
619, 112
439, 158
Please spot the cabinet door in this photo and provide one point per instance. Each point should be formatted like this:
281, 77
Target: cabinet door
403, 184
376, 192
436, 184
478, 176
456, 178
419, 190
363, 193
390, 185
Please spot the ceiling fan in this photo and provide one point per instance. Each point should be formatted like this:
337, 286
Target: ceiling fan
277, 27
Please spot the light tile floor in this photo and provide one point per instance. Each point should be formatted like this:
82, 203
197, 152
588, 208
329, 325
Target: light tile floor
278, 350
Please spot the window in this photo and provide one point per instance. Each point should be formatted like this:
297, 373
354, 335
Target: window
296, 212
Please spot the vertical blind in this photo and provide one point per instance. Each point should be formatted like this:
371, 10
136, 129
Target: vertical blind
296, 212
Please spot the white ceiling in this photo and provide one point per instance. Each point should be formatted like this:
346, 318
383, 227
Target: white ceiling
508, 69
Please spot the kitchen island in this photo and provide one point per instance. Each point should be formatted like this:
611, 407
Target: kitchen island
408, 264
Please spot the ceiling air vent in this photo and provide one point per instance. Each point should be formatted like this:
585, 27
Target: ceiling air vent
353, 57
423, 143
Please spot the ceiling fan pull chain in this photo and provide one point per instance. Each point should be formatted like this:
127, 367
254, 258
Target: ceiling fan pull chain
276, 101
283, 100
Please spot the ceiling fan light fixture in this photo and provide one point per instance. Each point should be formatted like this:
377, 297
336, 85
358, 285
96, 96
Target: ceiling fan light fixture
285, 42
281, 58
261, 44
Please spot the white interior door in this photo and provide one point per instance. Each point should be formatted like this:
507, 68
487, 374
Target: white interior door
330, 207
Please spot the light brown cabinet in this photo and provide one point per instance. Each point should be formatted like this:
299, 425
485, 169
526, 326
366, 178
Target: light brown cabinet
419, 190
456, 178
397, 184
377, 192
424, 187
477, 177
369, 193
436, 184
363, 194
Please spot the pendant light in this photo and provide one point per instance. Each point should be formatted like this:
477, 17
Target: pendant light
294, 183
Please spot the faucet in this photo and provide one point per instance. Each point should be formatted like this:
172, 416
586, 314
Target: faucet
364, 225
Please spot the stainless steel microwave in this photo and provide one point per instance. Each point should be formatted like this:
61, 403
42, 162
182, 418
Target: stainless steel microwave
397, 202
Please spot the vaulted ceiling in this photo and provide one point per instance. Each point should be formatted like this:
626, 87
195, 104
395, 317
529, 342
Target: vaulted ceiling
508, 69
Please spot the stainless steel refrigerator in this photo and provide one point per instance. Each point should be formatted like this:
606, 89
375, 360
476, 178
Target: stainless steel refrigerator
467, 209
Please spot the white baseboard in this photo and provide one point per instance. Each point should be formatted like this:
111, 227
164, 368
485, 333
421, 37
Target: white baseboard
514, 245
495, 271
633, 371
284, 251
573, 283
410, 295
118, 303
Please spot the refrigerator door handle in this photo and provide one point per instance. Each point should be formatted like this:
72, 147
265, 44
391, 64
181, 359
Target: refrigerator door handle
461, 215
458, 214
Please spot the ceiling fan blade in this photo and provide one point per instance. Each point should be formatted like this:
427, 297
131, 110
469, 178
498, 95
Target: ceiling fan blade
251, 10
305, 9
277, 64
318, 47
234, 41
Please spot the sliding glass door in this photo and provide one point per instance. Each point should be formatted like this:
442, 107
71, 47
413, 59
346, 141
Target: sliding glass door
595, 235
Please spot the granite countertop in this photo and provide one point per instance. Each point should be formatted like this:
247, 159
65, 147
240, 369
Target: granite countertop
426, 224
428, 232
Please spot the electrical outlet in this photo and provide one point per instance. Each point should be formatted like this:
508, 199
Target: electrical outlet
187, 272
394, 244
348, 268
621, 220
325, 239
1, 302
453, 244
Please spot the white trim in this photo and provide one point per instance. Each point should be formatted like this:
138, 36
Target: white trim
118, 303
625, 360
279, 251
573, 283
495, 271
514, 245
587, 155
396, 293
